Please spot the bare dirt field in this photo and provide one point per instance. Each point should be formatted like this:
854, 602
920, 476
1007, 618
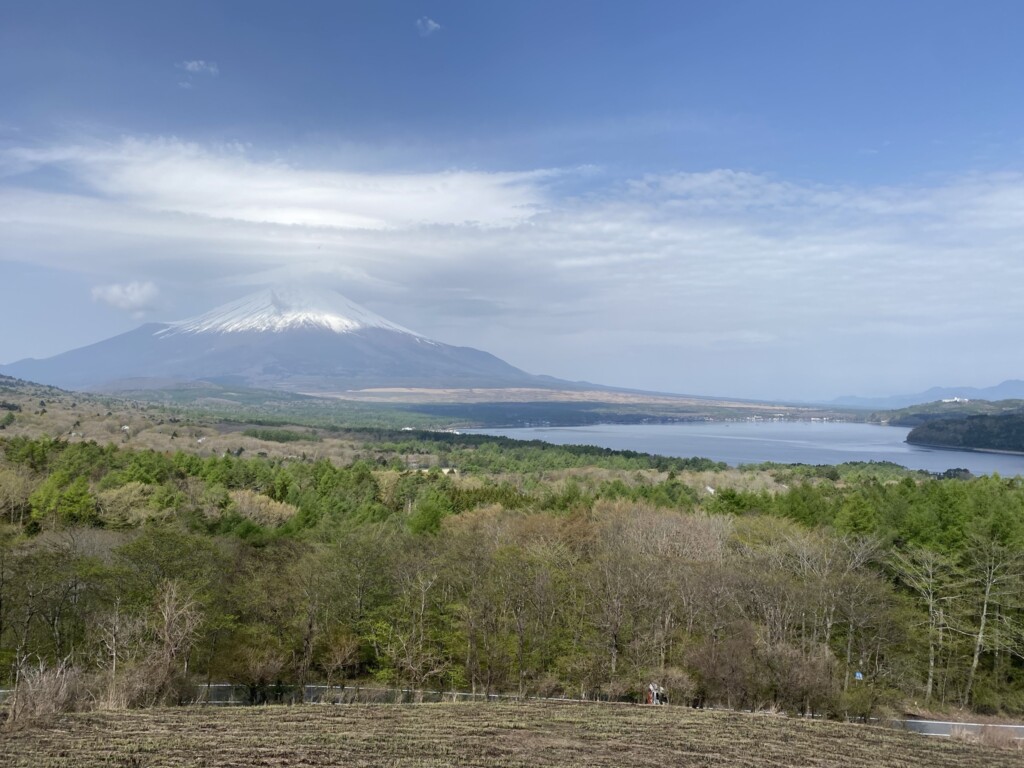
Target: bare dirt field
535, 734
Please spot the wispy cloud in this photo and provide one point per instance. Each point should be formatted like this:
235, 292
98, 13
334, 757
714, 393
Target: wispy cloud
426, 26
170, 176
706, 266
134, 297
196, 68
200, 67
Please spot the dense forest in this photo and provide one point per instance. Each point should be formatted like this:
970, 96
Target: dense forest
528, 569
1003, 432
914, 415
962, 424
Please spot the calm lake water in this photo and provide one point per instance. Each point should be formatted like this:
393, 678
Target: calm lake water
786, 442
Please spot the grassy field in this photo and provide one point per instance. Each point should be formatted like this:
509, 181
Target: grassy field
536, 734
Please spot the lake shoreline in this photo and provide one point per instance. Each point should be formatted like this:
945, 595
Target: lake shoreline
738, 443
964, 448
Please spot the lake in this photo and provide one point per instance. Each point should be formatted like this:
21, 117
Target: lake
786, 442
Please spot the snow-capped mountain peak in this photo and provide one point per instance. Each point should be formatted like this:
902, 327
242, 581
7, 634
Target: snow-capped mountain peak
280, 309
294, 339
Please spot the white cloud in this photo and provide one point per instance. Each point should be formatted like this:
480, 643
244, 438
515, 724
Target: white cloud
715, 269
427, 26
134, 297
200, 67
170, 176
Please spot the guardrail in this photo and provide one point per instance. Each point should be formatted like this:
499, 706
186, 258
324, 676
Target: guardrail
947, 728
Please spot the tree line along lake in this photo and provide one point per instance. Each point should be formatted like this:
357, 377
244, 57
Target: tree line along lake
784, 442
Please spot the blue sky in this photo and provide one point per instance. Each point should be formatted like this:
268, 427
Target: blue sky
759, 199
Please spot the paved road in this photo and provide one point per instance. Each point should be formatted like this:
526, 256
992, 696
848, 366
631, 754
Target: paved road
945, 728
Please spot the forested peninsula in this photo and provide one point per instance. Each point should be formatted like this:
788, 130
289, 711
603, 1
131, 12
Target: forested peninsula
1003, 432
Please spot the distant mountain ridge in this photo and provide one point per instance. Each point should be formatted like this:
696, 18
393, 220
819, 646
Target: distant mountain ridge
1011, 389
292, 339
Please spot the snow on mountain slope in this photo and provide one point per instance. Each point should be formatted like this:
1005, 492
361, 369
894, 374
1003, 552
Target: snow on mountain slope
281, 309
294, 339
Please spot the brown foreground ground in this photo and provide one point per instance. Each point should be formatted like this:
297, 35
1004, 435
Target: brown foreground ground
542, 734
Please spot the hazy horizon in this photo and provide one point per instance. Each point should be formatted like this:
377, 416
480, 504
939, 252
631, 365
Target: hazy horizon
791, 201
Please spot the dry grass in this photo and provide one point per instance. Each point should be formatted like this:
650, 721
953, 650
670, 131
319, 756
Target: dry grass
989, 736
79, 418
534, 734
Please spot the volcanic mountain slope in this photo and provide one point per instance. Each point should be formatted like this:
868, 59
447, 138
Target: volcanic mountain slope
292, 339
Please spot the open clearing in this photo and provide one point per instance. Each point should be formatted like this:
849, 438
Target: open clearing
534, 734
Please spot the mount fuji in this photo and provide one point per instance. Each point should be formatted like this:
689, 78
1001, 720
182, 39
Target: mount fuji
291, 339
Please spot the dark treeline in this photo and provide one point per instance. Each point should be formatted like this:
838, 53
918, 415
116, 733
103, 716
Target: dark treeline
504, 454
145, 574
1002, 432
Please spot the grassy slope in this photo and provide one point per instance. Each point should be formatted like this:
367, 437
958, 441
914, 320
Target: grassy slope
536, 734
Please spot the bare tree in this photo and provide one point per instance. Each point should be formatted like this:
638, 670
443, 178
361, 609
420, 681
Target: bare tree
121, 639
342, 655
931, 576
995, 571
176, 621
16, 486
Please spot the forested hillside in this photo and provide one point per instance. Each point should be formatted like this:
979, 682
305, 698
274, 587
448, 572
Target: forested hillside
948, 409
530, 569
994, 433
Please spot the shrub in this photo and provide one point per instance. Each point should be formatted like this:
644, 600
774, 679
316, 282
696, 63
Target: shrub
260, 509
41, 691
